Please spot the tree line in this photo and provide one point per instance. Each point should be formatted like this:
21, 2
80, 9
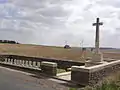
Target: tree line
9, 41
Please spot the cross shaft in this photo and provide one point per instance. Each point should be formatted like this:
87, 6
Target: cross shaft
97, 24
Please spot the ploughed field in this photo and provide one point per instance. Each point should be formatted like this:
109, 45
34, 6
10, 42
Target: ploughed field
53, 52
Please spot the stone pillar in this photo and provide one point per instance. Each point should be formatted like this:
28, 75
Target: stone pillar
49, 68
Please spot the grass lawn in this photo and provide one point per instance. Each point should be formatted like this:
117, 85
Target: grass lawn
61, 70
42, 51
50, 52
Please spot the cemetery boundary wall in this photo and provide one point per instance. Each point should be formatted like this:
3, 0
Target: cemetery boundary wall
93, 75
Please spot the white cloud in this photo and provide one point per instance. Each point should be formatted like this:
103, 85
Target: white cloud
52, 22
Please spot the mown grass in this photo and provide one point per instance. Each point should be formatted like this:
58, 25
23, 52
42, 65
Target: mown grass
61, 70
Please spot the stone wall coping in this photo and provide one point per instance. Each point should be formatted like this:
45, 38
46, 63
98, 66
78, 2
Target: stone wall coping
96, 67
51, 64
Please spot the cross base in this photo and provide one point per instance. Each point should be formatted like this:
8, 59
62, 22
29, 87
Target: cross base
90, 63
97, 59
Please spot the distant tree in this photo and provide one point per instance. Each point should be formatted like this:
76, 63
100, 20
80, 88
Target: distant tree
12, 42
5, 41
0, 41
8, 41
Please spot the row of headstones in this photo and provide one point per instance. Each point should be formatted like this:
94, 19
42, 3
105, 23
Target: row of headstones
22, 62
49, 68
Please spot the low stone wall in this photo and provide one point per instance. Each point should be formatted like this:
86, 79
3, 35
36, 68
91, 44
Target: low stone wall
92, 75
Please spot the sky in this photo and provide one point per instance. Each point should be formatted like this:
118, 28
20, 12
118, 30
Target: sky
53, 22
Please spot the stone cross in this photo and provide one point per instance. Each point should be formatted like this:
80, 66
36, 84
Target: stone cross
97, 57
97, 24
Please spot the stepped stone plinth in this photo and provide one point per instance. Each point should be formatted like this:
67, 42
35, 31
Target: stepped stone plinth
96, 59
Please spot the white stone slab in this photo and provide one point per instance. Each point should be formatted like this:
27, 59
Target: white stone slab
96, 67
90, 63
51, 64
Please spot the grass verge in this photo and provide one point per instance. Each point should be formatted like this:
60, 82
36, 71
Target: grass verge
61, 70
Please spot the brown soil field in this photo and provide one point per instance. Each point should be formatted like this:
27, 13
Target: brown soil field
50, 52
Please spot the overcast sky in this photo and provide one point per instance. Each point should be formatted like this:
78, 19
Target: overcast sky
52, 22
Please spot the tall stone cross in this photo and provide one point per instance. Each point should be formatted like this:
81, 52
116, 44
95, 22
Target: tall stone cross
97, 24
97, 57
